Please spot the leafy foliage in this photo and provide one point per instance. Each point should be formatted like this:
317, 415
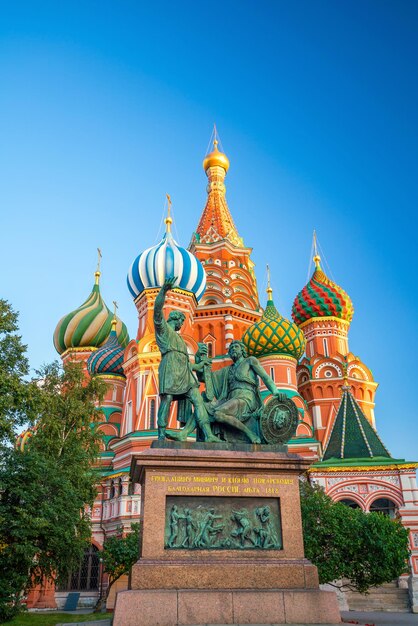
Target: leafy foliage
119, 554
368, 549
17, 396
45, 490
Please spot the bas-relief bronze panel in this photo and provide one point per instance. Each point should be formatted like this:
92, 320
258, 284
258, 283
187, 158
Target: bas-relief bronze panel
222, 523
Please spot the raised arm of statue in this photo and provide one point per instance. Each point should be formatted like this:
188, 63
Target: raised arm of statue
160, 299
269, 382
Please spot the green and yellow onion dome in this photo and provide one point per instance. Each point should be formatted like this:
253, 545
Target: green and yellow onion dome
274, 334
321, 297
89, 325
108, 359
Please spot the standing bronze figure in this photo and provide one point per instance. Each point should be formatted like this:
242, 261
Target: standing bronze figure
176, 378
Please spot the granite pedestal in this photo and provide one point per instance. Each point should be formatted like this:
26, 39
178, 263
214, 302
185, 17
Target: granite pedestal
221, 541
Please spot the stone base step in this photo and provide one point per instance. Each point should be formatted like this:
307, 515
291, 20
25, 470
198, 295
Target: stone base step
182, 607
388, 597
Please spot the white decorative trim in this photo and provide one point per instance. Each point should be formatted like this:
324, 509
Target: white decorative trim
358, 367
328, 364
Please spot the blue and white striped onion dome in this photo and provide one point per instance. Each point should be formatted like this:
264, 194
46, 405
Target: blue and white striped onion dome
167, 258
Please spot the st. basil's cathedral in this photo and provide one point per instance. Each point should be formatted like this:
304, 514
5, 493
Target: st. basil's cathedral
308, 358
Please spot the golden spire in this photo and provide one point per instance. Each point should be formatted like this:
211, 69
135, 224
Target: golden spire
115, 319
168, 220
317, 258
97, 273
269, 290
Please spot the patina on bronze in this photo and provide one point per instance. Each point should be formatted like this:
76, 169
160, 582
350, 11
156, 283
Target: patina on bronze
222, 523
176, 378
231, 403
279, 420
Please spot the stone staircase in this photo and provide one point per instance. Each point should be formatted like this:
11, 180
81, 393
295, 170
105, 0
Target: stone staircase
388, 597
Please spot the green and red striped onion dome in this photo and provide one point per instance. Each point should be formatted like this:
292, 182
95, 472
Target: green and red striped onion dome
109, 358
274, 334
321, 297
89, 325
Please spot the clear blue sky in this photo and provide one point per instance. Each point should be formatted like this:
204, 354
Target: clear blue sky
106, 106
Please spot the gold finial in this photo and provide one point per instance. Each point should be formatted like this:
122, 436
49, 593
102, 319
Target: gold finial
269, 289
97, 273
215, 158
168, 220
115, 319
317, 258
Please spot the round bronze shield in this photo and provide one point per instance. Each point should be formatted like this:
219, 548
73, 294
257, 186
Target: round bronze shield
279, 420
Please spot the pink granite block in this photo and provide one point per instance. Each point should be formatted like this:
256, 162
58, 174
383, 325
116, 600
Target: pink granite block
204, 607
311, 607
258, 607
146, 608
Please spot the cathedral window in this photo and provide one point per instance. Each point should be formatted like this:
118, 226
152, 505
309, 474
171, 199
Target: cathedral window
272, 373
86, 577
325, 347
351, 503
385, 506
128, 428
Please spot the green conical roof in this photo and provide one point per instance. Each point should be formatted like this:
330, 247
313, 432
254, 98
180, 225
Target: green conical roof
352, 436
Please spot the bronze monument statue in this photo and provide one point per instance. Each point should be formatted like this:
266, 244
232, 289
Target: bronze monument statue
176, 378
231, 403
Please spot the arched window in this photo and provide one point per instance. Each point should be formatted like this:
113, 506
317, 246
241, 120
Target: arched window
351, 503
152, 414
272, 373
86, 577
130, 488
120, 490
210, 349
112, 490
385, 506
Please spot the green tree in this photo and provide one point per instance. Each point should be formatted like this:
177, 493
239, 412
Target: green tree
46, 489
17, 396
119, 554
367, 549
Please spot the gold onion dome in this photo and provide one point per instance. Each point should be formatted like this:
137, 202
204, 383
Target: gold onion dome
89, 325
321, 297
274, 334
216, 158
